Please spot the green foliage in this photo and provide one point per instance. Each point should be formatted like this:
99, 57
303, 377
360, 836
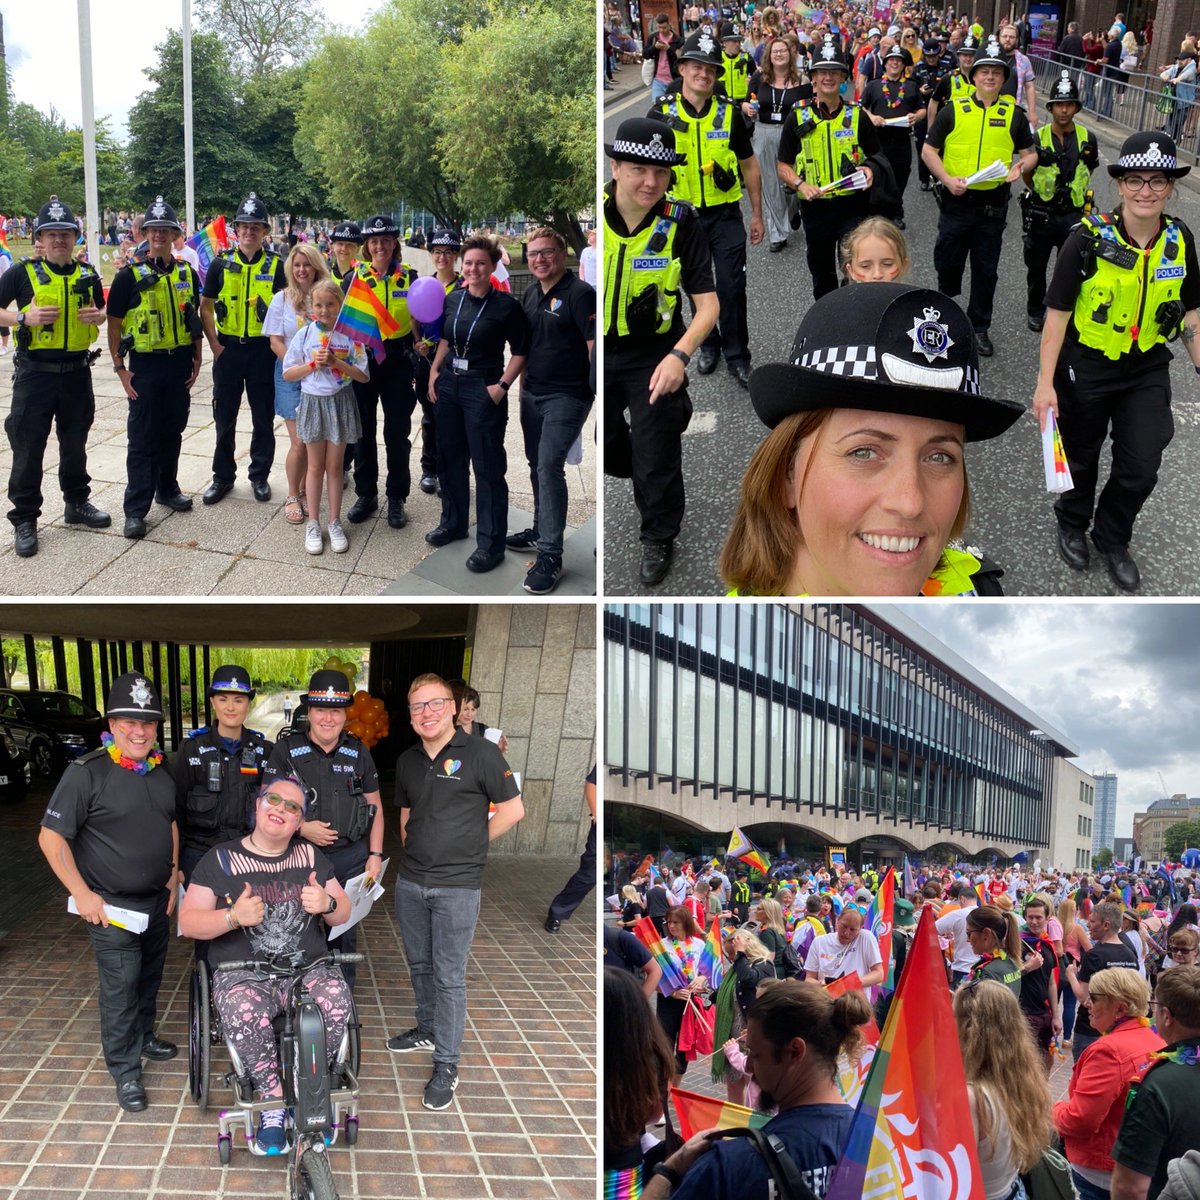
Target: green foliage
63, 174
43, 135
1179, 836
15, 193
261, 36
1102, 858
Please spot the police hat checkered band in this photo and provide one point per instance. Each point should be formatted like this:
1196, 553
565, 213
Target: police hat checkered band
653, 149
858, 362
445, 237
1152, 159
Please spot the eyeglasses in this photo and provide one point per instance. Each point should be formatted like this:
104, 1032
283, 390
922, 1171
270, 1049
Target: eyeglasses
1135, 183
542, 253
274, 799
1176, 950
434, 706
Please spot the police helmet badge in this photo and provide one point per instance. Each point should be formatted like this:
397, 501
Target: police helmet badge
251, 203
827, 50
55, 209
993, 48
378, 223
706, 45
930, 337
139, 693
1153, 152
330, 693
1064, 84
159, 208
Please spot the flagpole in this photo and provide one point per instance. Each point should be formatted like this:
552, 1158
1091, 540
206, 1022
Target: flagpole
189, 168
91, 192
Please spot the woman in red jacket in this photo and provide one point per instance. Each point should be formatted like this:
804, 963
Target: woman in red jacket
1091, 1115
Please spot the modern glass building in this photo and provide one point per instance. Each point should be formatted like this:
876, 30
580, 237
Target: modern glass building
1104, 831
839, 719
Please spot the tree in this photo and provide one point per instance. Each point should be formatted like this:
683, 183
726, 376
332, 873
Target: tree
262, 35
1178, 837
16, 195
1102, 858
63, 174
519, 115
225, 169
43, 135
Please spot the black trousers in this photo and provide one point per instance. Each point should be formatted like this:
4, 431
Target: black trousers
130, 967
897, 146
250, 367
649, 448
968, 227
670, 1016
1046, 234
429, 458
826, 222
389, 387
1095, 398
39, 399
920, 129
578, 886
347, 861
154, 427
727, 245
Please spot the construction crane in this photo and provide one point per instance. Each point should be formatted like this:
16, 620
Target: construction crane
1166, 791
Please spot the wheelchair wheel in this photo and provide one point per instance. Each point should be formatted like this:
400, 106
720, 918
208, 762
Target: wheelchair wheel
351, 1131
353, 1042
315, 1177
199, 1035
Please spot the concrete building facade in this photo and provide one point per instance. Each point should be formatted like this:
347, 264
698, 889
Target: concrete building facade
1150, 826
1074, 811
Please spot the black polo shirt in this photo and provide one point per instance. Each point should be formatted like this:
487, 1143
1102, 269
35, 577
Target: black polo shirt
446, 836
119, 825
477, 329
562, 322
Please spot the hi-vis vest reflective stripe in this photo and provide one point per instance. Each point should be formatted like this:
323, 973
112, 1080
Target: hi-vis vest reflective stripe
156, 321
705, 142
960, 85
831, 150
631, 266
392, 291
953, 576
1045, 179
735, 76
1115, 309
241, 289
979, 137
50, 290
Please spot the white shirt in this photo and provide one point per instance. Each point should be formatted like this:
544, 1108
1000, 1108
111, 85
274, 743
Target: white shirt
322, 382
954, 925
587, 265
188, 254
830, 959
281, 319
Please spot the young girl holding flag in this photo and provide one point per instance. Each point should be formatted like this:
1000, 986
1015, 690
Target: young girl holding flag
324, 362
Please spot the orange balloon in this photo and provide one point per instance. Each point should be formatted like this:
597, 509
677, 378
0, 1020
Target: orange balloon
352, 711
356, 729
376, 706
361, 697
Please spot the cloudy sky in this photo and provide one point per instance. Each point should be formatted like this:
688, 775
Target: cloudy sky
1120, 679
43, 52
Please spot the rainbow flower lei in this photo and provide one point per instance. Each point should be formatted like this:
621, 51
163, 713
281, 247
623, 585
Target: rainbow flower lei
137, 766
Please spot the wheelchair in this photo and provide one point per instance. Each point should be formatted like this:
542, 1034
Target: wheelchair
320, 1103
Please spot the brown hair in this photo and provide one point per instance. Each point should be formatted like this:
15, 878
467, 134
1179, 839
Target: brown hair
426, 679
1000, 923
478, 241
636, 1079
761, 545
1179, 990
800, 1008
767, 70
683, 917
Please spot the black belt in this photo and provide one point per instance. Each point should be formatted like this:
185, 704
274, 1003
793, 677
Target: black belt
58, 367
227, 339
479, 372
166, 353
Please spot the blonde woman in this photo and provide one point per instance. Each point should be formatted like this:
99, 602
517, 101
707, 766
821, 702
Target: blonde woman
772, 931
1076, 943
1008, 1094
753, 965
289, 312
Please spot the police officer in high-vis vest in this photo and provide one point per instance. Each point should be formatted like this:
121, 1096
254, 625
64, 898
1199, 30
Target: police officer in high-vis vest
390, 385
345, 816
655, 252
156, 342
237, 292
822, 143
711, 135
218, 770
1059, 192
1125, 284
954, 85
736, 68
345, 245
60, 305
927, 75
968, 135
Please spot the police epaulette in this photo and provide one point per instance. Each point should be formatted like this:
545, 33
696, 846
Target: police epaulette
254, 733
673, 210
198, 732
92, 755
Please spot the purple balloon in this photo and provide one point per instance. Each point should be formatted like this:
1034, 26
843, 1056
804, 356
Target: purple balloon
426, 299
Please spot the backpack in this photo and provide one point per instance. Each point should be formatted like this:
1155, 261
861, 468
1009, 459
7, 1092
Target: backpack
1049, 1179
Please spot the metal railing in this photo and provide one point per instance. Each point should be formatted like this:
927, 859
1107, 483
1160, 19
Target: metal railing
1142, 103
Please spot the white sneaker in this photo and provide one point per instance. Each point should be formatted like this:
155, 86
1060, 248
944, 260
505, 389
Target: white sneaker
4, 347
338, 542
313, 542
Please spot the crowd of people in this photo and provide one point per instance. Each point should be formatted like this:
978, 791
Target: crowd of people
816, 124
1038, 960
267, 311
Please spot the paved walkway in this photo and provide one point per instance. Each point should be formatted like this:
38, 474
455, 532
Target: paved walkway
522, 1126
242, 547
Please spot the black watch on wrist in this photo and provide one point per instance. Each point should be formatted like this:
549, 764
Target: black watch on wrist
671, 1175
504, 386
682, 356
332, 906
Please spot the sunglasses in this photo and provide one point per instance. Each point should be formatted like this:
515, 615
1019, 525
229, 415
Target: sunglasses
1182, 949
274, 799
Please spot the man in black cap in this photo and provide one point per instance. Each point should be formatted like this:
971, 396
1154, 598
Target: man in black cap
110, 837
655, 250
821, 144
218, 770
1059, 192
345, 243
715, 145
927, 74
237, 293
390, 385
156, 340
61, 305
345, 816
968, 136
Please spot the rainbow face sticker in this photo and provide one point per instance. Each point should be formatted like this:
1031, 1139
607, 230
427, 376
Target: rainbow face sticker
451, 765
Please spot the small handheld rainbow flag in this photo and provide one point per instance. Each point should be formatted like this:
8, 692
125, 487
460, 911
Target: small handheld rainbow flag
4, 243
879, 922
208, 243
1127, 896
696, 1112
364, 320
981, 892
1054, 457
712, 964
673, 977
743, 849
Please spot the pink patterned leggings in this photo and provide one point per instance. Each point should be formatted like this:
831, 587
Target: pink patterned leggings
247, 1005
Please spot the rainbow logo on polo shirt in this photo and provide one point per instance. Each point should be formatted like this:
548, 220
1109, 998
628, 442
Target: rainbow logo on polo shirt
451, 765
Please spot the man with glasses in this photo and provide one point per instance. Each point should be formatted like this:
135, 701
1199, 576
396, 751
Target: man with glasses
556, 396
345, 813
444, 787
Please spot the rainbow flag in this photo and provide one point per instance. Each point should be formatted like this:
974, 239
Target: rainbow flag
673, 977
712, 963
4, 243
208, 243
697, 1112
912, 1134
981, 892
743, 849
852, 1076
364, 320
623, 1184
1127, 896
879, 922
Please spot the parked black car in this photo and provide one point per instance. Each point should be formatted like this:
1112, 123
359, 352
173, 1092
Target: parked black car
52, 728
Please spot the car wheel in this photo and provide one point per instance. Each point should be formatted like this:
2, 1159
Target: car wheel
41, 755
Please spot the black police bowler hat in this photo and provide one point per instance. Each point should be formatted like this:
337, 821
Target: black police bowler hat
1065, 91
54, 214
328, 689
990, 56
160, 215
252, 212
884, 347
1148, 152
444, 239
644, 140
133, 695
380, 226
346, 231
231, 679
897, 52
932, 47
828, 57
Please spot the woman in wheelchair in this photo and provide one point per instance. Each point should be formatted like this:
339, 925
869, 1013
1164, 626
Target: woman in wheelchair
264, 896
